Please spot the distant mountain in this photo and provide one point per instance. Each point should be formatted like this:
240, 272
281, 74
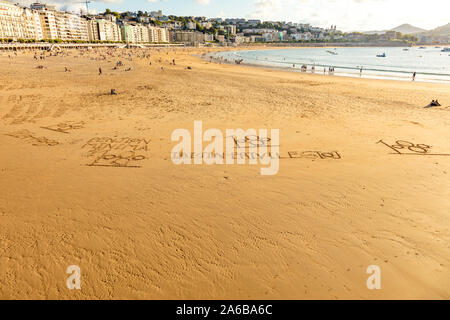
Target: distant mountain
408, 29
443, 31
404, 28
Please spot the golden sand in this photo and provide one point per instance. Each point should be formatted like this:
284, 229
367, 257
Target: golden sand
154, 230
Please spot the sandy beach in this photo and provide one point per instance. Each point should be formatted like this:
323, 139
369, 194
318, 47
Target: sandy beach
152, 230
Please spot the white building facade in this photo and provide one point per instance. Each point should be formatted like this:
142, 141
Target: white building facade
144, 34
44, 22
18, 22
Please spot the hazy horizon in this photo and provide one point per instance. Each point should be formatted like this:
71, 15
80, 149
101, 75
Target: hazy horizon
348, 15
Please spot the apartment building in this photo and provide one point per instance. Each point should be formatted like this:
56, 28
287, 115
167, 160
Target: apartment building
18, 22
60, 25
33, 24
192, 37
63, 25
163, 35
109, 31
144, 34
40, 22
48, 24
70, 26
172, 35
156, 14
158, 35
191, 25
131, 33
305, 36
93, 32
42, 6
44, 22
103, 30
231, 29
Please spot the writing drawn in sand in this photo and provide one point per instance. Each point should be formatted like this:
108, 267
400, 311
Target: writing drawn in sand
320, 155
30, 137
251, 141
313, 155
402, 147
116, 152
65, 127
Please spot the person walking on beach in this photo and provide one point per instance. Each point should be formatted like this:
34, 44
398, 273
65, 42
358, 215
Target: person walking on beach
414, 76
360, 71
99, 71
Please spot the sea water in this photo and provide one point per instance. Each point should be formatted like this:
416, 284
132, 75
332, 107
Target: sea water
430, 63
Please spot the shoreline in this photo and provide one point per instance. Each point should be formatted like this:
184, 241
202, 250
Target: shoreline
375, 74
254, 46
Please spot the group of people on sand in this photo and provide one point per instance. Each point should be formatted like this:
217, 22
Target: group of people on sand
109, 54
304, 68
41, 57
9, 56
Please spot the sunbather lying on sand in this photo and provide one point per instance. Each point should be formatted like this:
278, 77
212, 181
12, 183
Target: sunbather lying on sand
434, 103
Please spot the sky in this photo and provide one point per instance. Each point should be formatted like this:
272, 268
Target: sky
348, 15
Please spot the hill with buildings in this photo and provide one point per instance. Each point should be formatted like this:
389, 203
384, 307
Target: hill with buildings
438, 35
442, 31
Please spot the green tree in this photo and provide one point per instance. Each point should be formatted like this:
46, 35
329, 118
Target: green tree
198, 27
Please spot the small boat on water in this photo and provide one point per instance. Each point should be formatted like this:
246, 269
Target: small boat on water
406, 49
381, 55
446, 49
422, 47
332, 52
